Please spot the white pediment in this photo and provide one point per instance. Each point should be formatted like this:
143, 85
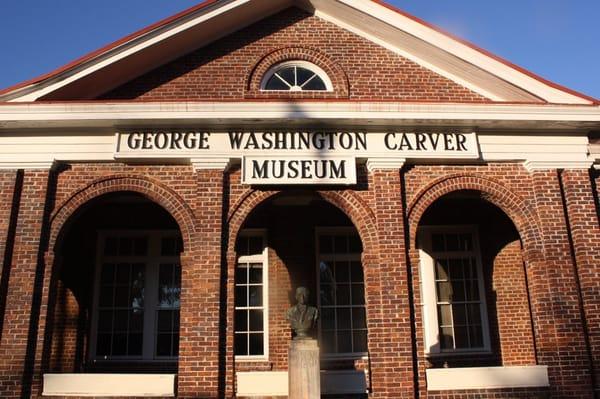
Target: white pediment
462, 62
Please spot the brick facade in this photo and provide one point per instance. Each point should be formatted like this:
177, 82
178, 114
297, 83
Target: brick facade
538, 232
25, 278
206, 366
228, 68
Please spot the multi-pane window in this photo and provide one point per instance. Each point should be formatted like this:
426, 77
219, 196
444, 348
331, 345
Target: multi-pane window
137, 291
451, 263
343, 322
296, 76
250, 322
167, 312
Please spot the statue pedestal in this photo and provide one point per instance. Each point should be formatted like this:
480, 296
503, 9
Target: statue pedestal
304, 370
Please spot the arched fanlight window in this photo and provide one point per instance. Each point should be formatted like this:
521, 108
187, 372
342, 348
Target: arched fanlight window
296, 76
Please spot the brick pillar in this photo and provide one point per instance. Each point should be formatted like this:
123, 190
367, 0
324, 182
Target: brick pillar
554, 296
388, 308
512, 307
7, 191
585, 234
199, 365
42, 351
25, 278
9, 207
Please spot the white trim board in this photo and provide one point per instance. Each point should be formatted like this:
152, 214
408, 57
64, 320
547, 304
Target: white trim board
487, 378
275, 383
172, 114
30, 150
109, 385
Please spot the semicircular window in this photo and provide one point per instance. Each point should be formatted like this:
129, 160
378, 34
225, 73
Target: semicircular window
296, 76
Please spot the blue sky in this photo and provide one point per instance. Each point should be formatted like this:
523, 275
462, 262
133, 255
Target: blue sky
557, 39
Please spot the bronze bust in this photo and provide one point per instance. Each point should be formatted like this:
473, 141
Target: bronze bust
301, 316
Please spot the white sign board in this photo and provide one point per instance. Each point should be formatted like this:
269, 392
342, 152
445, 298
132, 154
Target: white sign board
298, 170
300, 157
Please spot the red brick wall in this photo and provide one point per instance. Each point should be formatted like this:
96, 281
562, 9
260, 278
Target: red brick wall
7, 187
193, 199
196, 201
512, 307
555, 296
222, 70
8, 213
539, 215
582, 213
19, 335
63, 357
200, 361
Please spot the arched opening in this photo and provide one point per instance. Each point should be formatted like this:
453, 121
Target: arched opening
117, 288
473, 283
293, 240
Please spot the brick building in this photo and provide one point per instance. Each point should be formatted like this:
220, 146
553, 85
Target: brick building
163, 197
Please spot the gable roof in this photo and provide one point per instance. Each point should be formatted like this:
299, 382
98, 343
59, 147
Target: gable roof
385, 25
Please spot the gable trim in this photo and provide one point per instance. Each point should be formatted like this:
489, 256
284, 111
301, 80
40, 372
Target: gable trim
396, 50
111, 46
487, 53
513, 83
551, 92
36, 88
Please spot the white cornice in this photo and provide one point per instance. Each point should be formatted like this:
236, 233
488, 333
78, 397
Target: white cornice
208, 163
384, 163
139, 115
532, 166
15, 165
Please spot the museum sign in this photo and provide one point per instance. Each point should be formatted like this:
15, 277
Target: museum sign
296, 157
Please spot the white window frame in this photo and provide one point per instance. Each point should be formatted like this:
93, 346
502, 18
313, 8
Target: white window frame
264, 259
297, 63
429, 293
153, 259
349, 257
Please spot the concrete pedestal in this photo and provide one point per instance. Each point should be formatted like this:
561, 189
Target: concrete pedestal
304, 370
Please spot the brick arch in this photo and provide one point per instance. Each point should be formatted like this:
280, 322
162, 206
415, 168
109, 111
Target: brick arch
152, 189
348, 202
520, 211
339, 79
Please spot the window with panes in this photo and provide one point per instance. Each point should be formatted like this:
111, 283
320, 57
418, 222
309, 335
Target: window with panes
250, 324
137, 296
458, 289
343, 322
296, 76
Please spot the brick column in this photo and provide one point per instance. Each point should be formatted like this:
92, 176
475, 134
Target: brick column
199, 366
554, 296
8, 179
585, 234
512, 307
25, 278
10, 183
389, 313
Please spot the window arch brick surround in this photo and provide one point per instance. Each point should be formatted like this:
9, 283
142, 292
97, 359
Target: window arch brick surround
517, 209
337, 75
61, 217
154, 190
